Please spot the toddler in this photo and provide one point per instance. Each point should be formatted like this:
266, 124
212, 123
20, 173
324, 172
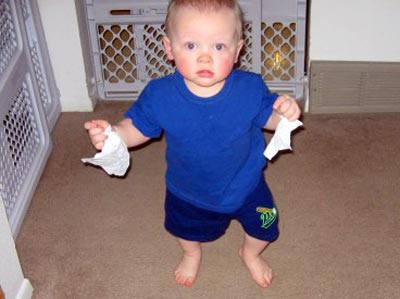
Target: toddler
212, 117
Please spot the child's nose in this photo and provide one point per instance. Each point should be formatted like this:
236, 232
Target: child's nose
204, 58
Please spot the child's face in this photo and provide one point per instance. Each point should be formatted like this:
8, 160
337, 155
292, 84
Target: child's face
204, 46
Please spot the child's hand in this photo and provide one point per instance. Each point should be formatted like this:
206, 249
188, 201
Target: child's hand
96, 130
288, 107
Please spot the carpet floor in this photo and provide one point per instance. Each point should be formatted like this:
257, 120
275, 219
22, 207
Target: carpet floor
89, 236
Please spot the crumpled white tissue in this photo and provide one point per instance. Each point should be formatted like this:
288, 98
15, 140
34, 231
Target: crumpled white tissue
281, 139
114, 157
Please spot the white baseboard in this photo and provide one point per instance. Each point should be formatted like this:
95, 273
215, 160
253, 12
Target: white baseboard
25, 290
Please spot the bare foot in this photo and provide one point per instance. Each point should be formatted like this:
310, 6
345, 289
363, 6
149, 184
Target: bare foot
258, 267
187, 269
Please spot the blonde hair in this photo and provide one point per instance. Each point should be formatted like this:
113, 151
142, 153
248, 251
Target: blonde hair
205, 5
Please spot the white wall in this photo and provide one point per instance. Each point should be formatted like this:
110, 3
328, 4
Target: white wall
12, 280
345, 30
355, 30
62, 35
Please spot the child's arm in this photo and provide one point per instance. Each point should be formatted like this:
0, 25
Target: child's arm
125, 129
283, 106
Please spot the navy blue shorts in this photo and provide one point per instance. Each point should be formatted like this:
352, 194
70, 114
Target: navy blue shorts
258, 217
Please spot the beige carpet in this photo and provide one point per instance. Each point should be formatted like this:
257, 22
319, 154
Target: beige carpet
87, 235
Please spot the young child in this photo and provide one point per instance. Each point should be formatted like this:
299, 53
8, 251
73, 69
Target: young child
212, 117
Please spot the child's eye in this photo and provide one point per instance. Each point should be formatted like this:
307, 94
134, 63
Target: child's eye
219, 47
190, 46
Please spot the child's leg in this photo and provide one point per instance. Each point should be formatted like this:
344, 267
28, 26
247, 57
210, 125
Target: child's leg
250, 253
188, 222
187, 269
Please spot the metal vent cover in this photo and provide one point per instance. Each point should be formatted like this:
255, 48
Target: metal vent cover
353, 87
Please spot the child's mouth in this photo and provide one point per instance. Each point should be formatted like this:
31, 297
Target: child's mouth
205, 74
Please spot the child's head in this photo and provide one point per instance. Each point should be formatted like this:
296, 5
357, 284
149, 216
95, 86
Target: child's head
204, 6
204, 40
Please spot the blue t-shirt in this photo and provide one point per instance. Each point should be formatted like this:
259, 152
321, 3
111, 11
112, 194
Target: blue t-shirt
214, 145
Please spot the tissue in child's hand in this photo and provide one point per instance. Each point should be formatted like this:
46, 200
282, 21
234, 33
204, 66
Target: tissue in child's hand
114, 157
281, 138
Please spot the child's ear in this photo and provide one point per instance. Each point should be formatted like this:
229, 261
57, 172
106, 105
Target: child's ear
168, 48
239, 48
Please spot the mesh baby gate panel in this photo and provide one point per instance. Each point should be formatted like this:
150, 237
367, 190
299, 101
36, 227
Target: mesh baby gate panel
125, 44
28, 106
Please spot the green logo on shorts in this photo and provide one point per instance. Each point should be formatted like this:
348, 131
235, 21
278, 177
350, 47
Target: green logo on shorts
267, 216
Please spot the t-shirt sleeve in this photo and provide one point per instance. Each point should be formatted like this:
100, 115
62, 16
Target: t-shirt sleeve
144, 116
267, 102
